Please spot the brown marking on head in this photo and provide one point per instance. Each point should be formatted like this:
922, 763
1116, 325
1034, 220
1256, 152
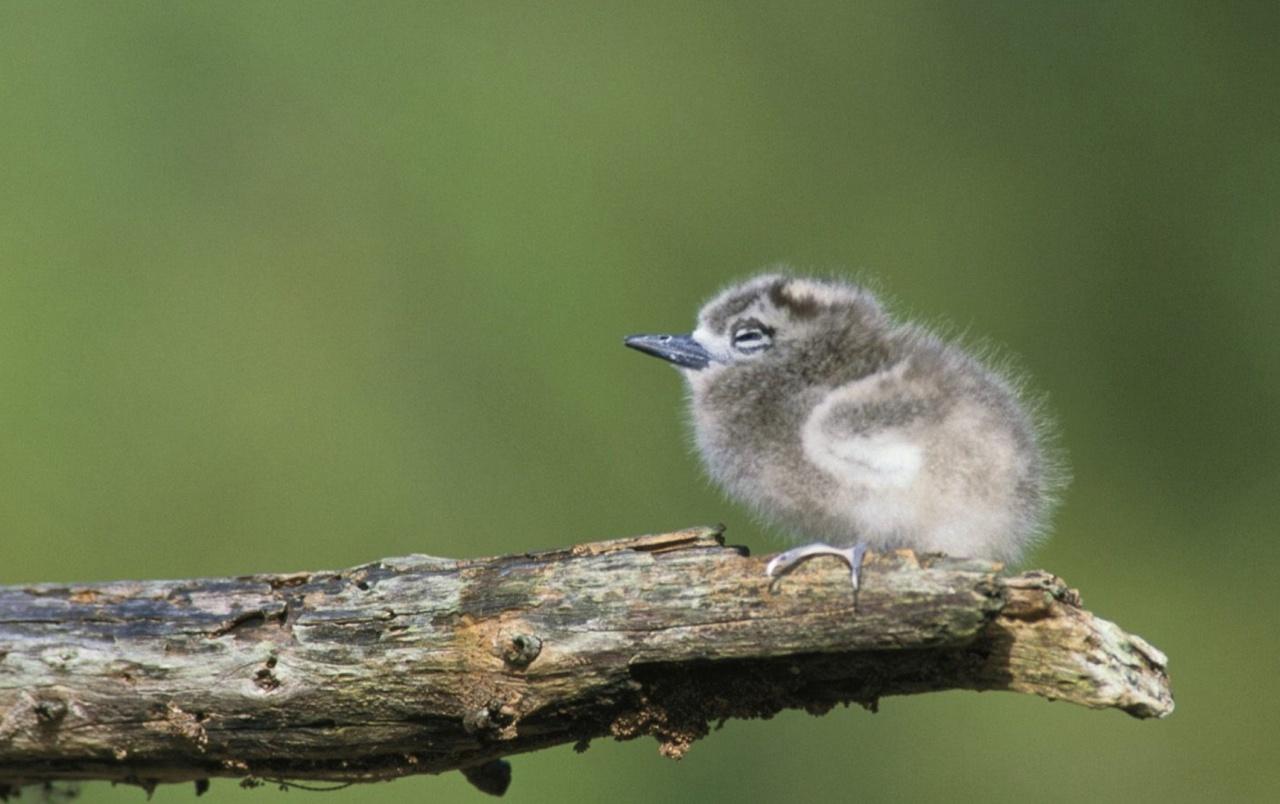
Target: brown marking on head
798, 307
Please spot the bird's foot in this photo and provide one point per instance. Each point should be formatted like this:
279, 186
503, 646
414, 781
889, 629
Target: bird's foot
785, 562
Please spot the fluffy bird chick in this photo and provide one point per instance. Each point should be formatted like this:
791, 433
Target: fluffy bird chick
836, 422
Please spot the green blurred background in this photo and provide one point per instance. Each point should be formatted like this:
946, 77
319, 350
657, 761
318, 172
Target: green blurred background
296, 286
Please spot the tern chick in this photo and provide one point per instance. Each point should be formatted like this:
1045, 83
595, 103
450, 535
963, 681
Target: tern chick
834, 421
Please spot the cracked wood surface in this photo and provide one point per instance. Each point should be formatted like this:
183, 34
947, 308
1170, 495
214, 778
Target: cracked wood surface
421, 664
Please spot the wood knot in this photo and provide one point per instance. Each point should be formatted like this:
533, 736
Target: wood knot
519, 650
50, 712
495, 719
265, 678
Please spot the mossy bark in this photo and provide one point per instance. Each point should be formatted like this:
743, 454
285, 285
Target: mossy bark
422, 665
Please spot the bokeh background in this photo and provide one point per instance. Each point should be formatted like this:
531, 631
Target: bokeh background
299, 285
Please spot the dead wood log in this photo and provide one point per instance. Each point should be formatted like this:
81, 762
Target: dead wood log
422, 665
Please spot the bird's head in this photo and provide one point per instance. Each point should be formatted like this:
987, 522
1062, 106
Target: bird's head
810, 327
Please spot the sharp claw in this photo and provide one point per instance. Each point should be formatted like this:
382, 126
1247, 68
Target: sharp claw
855, 563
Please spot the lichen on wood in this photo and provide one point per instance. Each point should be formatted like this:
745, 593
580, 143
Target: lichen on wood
423, 665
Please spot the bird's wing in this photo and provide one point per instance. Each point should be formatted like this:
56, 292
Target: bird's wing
869, 432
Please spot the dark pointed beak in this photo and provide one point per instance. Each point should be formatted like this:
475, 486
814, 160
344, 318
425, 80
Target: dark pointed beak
682, 350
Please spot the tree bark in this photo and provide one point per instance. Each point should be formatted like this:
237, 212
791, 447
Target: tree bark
422, 665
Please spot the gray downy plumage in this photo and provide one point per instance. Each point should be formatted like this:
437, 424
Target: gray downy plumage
836, 422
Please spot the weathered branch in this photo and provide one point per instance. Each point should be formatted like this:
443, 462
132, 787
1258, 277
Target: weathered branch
421, 665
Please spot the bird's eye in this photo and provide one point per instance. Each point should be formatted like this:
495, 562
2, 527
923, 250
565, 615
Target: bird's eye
751, 339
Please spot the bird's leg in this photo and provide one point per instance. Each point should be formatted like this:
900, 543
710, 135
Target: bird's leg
785, 562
